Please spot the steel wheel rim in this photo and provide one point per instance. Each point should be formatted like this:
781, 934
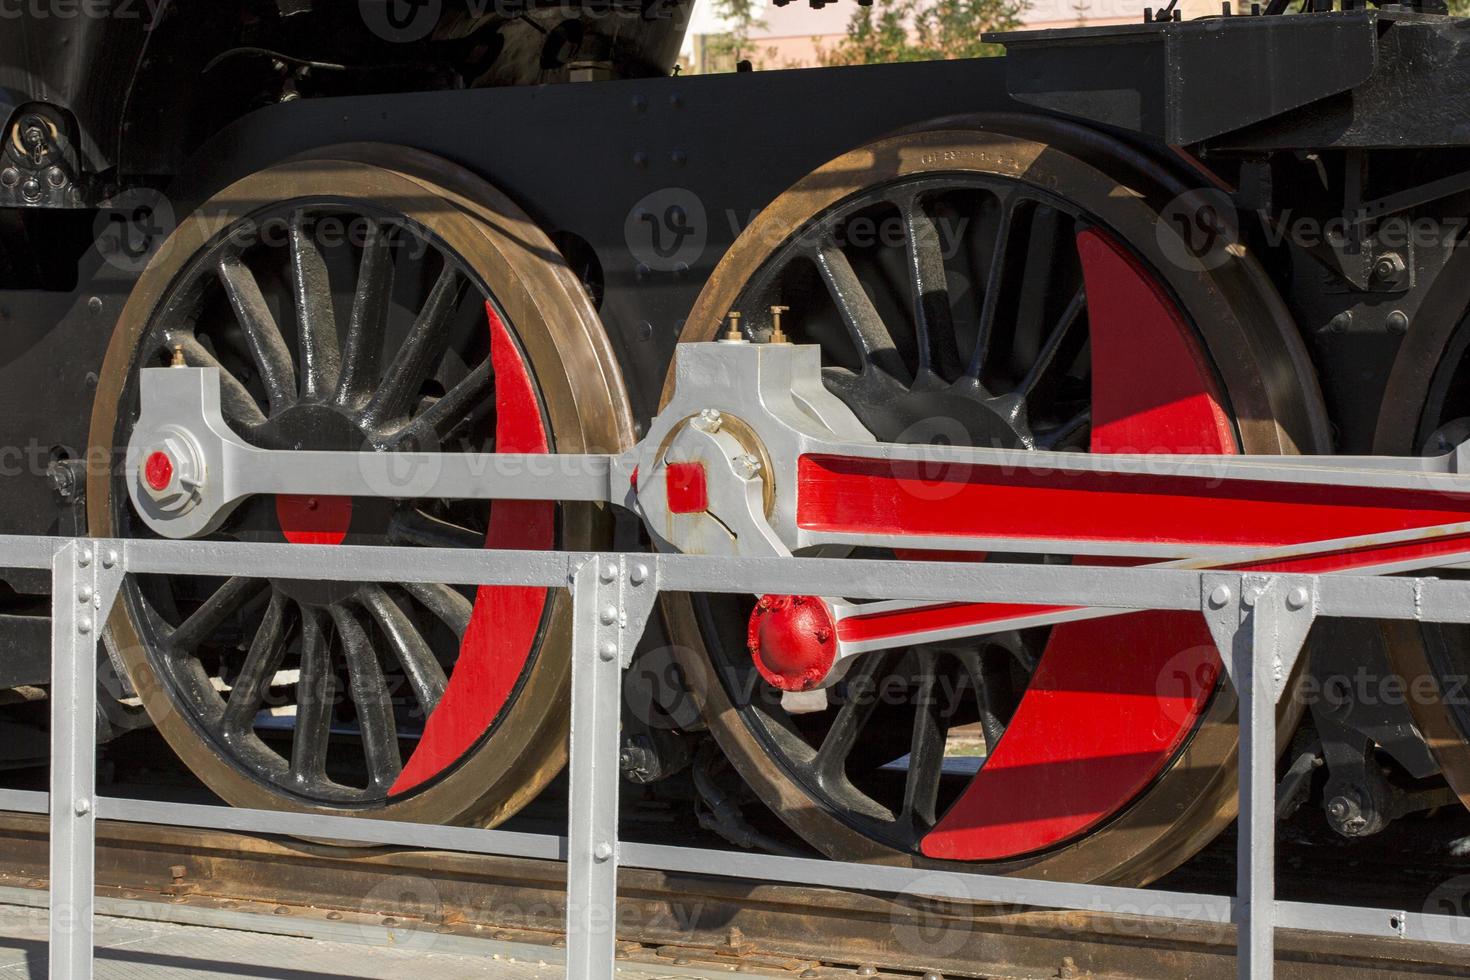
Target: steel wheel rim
482, 785
1420, 394
1136, 847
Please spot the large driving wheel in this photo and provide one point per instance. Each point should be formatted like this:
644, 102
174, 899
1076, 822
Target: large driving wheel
1009, 283
367, 299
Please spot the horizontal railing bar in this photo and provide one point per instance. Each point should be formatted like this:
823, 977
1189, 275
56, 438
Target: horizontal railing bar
957, 886
28, 550
25, 801
1340, 594
469, 840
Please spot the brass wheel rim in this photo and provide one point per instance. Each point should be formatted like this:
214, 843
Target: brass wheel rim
581, 389
1184, 809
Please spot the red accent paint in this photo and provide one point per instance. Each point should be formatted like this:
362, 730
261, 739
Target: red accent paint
848, 495
686, 488
158, 470
792, 640
313, 519
1112, 700
506, 619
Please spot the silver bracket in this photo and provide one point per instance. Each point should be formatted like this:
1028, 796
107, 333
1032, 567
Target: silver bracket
1259, 623
85, 579
1283, 606
612, 598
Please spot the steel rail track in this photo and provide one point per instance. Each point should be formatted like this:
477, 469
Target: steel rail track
278, 884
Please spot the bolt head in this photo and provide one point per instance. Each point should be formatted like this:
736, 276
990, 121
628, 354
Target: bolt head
84, 557
109, 558
84, 626
158, 471
608, 651
84, 594
638, 574
1297, 598
602, 852
608, 572
609, 615
1220, 596
170, 471
82, 806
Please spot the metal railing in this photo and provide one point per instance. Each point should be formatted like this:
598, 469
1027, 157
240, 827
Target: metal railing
1259, 622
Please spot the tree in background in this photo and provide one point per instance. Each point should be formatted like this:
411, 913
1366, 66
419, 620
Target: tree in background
923, 30
733, 44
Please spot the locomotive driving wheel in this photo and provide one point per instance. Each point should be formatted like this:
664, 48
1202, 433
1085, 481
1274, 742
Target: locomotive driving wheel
364, 299
1005, 283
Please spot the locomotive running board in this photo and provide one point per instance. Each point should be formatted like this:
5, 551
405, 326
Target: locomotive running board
753, 456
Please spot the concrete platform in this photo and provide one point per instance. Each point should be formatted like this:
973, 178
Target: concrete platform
131, 948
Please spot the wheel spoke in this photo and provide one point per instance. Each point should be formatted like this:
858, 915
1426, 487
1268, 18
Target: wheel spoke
321, 361
1069, 429
425, 673
933, 319
271, 355
864, 325
995, 277
215, 610
316, 690
238, 404
447, 604
266, 650
1050, 237
420, 353
1071, 316
411, 526
435, 424
369, 691
926, 749
369, 321
859, 700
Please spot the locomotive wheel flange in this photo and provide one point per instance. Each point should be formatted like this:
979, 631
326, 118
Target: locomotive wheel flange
442, 319
1428, 397
922, 344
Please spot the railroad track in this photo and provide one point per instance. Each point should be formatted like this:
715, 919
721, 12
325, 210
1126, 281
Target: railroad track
275, 885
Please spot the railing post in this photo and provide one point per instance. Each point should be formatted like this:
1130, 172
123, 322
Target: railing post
1259, 623
84, 585
612, 597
